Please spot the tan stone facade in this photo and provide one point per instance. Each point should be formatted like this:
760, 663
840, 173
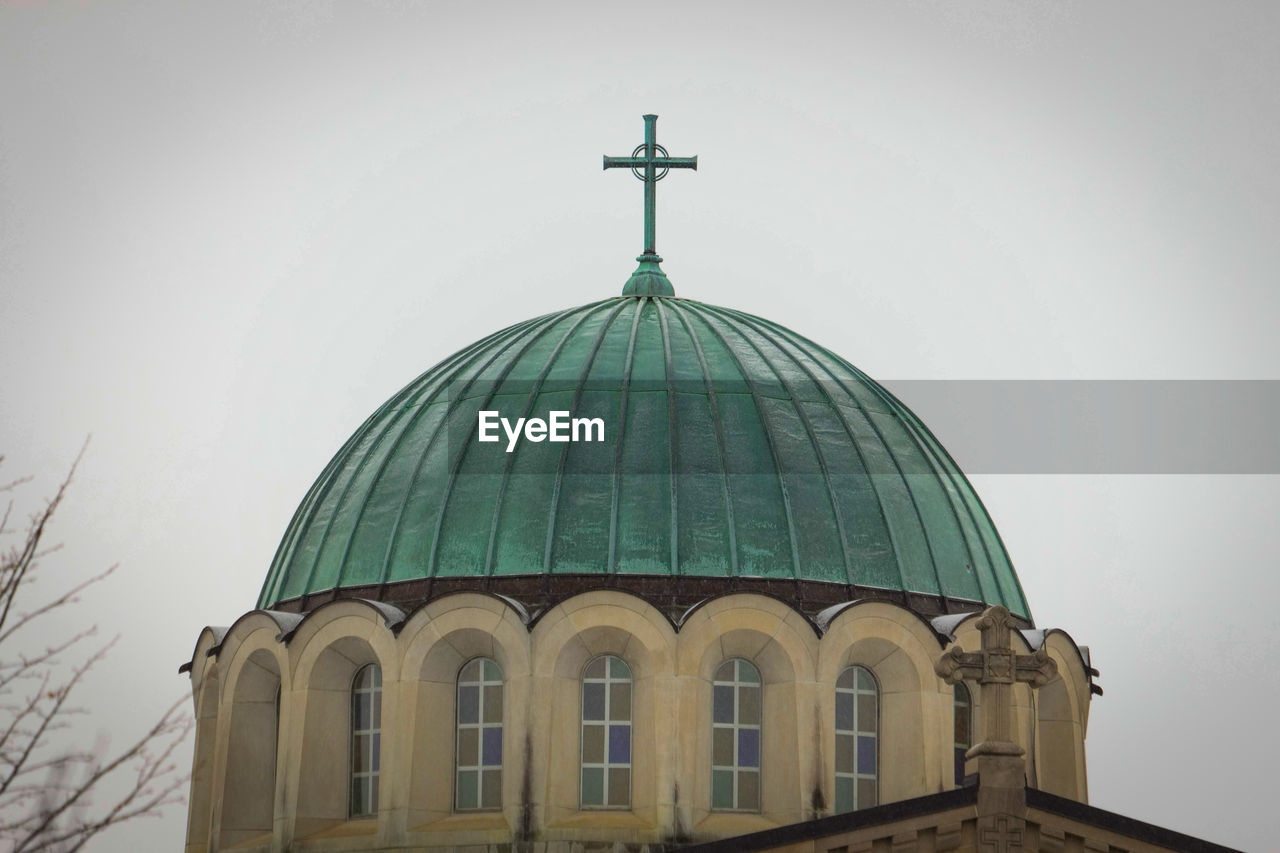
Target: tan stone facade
255, 789
994, 810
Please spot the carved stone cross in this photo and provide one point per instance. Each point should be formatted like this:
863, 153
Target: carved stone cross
996, 668
1001, 838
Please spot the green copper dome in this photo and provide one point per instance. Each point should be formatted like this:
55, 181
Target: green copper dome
733, 448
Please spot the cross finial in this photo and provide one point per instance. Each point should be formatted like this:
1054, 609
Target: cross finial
996, 669
1002, 795
650, 163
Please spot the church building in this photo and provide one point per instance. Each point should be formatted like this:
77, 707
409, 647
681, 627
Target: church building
641, 575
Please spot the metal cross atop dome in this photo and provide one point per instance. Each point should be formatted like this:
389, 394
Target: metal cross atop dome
650, 162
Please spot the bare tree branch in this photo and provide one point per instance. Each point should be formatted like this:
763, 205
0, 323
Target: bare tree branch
56, 797
68, 597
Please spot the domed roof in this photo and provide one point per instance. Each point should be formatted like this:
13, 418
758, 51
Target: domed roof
733, 449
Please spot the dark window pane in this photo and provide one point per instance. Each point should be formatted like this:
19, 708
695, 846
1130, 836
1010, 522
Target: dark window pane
361, 709
748, 747
865, 680
866, 754
844, 794
359, 798
620, 786
960, 751
846, 679
962, 725
468, 747
749, 705
722, 705
376, 751
373, 795
726, 671
468, 789
721, 789
596, 669
468, 704
592, 701
619, 744
493, 703
375, 718
359, 753
618, 669
491, 671
491, 789
866, 712
593, 744
722, 747
866, 793
844, 753
620, 702
470, 672
592, 786
747, 672
493, 747
748, 789
844, 712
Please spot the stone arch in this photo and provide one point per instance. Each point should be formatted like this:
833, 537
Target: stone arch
1059, 725
438, 640
915, 720
754, 627
782, 645
330, 646
1074, 666
252, 705
600, 622
565, 639
207, 688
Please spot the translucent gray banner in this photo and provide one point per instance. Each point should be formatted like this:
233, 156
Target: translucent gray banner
1102, 426
758, 427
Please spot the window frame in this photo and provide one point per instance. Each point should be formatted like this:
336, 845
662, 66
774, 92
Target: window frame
855, 732
736, 769
480, 769
608, 724
374, 733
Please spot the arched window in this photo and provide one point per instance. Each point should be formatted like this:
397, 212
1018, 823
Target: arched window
857, 747
735, 737
479, 744
606, 733
964, 727
366, 739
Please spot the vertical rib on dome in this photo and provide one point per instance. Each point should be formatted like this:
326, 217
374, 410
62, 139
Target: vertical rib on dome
721, 456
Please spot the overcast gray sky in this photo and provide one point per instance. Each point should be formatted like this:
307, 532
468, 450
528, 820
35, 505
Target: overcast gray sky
228, 231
